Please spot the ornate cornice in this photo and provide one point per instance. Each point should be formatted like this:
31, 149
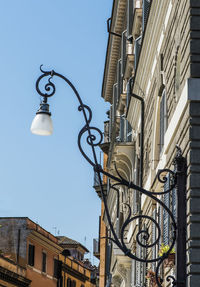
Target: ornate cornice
113, 48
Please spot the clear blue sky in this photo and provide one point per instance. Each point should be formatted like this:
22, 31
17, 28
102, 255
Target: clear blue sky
46, 178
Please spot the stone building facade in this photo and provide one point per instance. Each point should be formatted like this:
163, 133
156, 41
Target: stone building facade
154, 54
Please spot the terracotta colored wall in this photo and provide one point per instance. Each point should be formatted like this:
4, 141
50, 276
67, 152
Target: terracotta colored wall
34, 273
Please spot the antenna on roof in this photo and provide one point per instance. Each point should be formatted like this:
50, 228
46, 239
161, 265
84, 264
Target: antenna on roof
85, 241
55, 230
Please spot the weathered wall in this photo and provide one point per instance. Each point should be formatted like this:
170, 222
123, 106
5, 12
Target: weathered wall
11, 241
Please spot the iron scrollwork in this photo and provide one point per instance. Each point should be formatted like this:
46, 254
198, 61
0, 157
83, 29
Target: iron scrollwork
94, 138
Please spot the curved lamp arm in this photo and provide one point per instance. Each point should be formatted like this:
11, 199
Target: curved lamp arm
94, 138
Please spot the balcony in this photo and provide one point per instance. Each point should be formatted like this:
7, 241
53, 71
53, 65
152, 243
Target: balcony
96, 248
96, 184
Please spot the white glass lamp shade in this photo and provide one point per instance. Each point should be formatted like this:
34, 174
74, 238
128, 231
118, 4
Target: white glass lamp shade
42, 125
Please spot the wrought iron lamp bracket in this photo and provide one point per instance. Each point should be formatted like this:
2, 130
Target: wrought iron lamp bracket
94, 138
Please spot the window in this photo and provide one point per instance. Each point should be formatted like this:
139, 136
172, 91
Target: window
130, 8
166, 218
57, 268
69, 282
128, 131
145, 12
73, 283
44, 260
177, 69
163, 118
31, 254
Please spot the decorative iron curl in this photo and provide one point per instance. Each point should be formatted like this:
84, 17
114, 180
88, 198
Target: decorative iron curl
49, 87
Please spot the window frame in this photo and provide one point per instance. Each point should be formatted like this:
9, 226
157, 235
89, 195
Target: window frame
44, 262
31, 254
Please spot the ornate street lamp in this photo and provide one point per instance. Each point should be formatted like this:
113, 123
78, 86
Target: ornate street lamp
42, 125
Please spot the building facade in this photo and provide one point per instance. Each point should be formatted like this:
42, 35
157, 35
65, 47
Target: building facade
31, 256
11, 274
75, 270
153, 53
31, 248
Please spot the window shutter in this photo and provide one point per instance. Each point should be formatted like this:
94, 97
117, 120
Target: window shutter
153, 240
108, 257
145, 13
138, 42
114, 103
31, 254
123, 53
108, 186
121, 131
119, 80
44, 259
160, 223
128, 131
138, 265
110, 124
135, 193
55, 268
174, 202
119, 224
166, 217
68, 282
143, 255
130, 9
162, 120
127, 99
